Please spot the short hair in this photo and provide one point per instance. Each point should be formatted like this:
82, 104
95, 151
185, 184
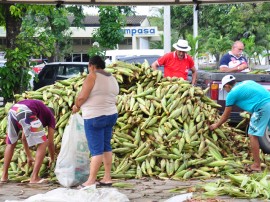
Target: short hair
97, 61
237, 43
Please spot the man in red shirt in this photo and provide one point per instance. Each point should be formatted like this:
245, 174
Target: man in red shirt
177, 63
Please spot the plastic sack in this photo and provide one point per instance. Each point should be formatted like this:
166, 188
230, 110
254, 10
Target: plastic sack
72, 165
91, 194
180, 198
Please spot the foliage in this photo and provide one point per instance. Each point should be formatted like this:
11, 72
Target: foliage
182, 21
54, 23
43, 33
193, 44
126, 10
157, 44
14, 75
109, 34
222, 24
96, 50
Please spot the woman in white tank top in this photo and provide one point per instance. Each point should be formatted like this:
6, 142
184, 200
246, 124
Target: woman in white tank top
97, 100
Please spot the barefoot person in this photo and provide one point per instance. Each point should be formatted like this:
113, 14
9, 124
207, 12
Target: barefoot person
30, 116
253, 98
97, 100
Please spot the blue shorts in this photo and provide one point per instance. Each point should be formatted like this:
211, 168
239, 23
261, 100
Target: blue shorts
259, 121
98, 132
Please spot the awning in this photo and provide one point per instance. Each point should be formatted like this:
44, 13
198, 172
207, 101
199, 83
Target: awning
132, 2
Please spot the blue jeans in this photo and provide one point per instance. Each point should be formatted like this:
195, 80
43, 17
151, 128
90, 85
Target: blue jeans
98, 132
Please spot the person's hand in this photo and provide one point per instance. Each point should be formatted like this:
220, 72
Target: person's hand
75, 109
213, 126
30, 160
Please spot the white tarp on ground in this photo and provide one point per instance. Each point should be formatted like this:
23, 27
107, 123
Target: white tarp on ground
180, 198
88, 194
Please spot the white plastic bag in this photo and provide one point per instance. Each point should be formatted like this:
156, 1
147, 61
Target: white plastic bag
72, 165
90, 194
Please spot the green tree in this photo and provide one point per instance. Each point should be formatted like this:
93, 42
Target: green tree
29, 35
110, 33
181, 21
126, 10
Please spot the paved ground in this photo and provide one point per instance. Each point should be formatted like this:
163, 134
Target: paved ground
147, 190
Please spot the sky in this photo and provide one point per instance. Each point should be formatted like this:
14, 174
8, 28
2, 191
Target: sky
141, 10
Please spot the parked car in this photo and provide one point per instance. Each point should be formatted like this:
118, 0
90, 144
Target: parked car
52, 72
37, 64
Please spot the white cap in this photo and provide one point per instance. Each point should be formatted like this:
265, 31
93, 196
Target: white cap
226, 79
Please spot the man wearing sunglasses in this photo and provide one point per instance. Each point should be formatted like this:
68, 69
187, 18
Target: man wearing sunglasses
234, 61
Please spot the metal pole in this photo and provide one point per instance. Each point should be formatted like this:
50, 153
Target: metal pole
195, 33
167, 29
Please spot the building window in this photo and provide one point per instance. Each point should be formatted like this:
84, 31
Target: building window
76, 58
77, 42
85, 57
86, 42
3, 41
129, 41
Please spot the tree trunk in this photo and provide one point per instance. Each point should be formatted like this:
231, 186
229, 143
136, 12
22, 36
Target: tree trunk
13, 25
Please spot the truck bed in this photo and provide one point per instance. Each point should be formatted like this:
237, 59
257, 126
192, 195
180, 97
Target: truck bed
217, 76
206, 79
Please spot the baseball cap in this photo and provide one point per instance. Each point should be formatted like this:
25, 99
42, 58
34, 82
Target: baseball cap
226, 79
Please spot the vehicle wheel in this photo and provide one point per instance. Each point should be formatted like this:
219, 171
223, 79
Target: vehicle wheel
264, 141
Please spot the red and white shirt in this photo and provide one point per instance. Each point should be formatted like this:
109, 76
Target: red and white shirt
175, 67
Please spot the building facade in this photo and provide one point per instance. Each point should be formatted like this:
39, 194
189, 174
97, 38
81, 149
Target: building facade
138, 33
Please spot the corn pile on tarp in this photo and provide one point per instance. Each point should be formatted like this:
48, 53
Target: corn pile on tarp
162, 130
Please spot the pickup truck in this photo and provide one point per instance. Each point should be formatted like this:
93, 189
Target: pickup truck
213, 81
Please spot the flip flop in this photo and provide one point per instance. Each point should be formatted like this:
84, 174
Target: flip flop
83, 187
105, 184
4, 181
41, 181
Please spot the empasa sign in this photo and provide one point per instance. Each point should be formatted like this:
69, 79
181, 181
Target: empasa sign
131, 31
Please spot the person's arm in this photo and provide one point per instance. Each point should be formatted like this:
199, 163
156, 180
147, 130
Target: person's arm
239, 68
194, 75
242, 66
51, 144
30, 159
155, 65
223, 118
224, 64
87, 87
227, 69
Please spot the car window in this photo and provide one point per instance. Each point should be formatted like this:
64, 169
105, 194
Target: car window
49, 73
73, 70
61, 70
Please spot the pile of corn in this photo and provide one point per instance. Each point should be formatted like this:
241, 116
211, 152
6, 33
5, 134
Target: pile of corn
162, 130
255, 185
